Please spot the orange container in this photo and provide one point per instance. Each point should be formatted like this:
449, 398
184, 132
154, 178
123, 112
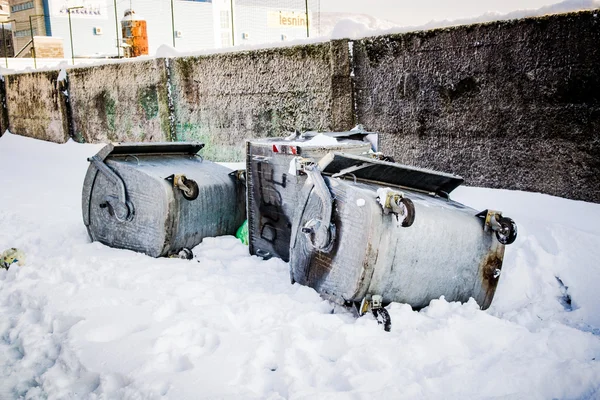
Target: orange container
135, 34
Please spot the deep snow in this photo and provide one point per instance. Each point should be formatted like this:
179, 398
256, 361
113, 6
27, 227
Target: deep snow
81, 320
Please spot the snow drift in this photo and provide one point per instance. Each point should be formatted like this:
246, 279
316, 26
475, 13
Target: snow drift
81, 320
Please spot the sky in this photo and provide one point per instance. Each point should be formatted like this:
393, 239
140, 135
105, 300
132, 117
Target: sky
419, 12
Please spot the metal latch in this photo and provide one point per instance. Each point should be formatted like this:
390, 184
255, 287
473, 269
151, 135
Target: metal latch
299, 165
118, 206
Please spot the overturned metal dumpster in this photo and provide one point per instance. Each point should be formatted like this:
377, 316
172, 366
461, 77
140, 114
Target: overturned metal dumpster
159, 198
273, 185
367, 227
366, 232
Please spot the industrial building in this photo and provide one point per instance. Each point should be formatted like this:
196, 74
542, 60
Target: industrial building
188, 25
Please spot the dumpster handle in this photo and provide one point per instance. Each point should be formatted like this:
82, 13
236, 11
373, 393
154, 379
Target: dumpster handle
124, 209
321, 232
134, 157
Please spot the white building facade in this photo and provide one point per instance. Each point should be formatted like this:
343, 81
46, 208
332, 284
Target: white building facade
194, 25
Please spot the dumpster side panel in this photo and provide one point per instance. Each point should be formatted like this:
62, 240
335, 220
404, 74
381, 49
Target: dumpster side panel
273, 190
344, 272
164, 221
219, 209
272, 194
445, 252
150, 227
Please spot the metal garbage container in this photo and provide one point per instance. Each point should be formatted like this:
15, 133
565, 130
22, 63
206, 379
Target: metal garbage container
374, 231
273, 186
159, 198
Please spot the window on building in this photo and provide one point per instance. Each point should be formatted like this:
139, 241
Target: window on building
225, 39
25, 33
22, 6
225, 19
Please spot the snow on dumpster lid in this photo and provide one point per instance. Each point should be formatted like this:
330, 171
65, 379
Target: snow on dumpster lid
369, 169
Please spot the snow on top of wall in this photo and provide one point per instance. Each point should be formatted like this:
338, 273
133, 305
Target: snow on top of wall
353, 27
558, 8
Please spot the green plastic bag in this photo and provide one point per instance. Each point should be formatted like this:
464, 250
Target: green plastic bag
242, 233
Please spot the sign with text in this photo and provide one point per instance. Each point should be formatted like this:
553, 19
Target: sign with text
85, 8
286, 19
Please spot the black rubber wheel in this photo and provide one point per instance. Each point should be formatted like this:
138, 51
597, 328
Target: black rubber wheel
383, 318
185, 254
507, 234
193, 188
410, 212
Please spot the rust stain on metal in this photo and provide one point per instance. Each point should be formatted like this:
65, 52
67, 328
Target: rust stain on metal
488, 272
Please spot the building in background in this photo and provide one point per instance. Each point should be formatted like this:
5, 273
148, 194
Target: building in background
6, 37
20, 11
4, 11
198, 24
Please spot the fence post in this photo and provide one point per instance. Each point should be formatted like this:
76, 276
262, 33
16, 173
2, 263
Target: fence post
306, 10
232, 23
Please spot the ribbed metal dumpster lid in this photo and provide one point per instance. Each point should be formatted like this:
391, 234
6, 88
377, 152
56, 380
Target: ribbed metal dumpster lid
363, 168
156, 148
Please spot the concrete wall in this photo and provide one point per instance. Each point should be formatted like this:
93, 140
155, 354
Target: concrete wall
224, 99
120, 102
512, 104
3, 108
35, 107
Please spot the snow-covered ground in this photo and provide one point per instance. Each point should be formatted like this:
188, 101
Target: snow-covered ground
83, 321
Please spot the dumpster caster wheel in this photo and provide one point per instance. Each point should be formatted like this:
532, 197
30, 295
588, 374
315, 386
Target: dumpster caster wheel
409, 219
507, 233
185, 254
383, 318
189, 188
192, 192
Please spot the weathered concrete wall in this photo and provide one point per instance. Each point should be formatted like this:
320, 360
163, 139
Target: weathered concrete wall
512, 104
35, 106
3, 108
226, 98
124, 102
